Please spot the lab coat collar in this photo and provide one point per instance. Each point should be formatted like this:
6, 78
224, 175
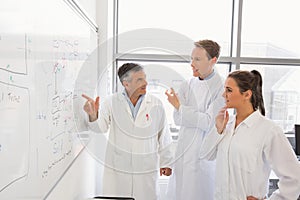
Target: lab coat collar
123, 100
121, 96
249, 121
252, 119
208, 77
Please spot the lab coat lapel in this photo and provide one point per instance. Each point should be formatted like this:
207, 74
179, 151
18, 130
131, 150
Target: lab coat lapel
124, 104
144, 105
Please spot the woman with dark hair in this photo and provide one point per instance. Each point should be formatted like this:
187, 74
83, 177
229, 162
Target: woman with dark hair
247, 146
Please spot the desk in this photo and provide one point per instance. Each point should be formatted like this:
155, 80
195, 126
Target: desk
273, 180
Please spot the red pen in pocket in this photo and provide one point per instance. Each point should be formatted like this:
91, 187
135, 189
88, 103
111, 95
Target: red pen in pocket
147, 116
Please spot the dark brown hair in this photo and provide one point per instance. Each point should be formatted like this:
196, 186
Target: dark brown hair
250, 81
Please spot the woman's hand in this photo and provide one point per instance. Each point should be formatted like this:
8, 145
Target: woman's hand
222, 119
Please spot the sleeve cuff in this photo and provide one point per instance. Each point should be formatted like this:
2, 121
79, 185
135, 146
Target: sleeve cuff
93, 126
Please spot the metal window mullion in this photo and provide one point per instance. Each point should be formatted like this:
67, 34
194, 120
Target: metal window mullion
232, 33
239, 33
270, 61
115, 45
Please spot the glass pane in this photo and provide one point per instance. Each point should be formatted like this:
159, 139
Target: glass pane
163, 75
183, 22
269, 29
281, 93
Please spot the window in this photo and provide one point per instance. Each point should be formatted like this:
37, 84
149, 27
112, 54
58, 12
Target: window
269, 29
267, 40
192, 19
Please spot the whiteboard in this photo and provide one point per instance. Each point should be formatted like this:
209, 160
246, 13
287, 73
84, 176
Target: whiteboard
43, 47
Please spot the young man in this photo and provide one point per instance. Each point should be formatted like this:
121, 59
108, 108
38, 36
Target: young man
196, 105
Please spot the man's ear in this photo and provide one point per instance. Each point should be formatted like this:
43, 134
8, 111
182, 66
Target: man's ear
213, 60
125, 83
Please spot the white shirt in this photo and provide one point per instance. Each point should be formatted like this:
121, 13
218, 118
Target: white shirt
134, 109
245, 156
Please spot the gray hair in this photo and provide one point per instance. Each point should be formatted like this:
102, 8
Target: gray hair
126, 70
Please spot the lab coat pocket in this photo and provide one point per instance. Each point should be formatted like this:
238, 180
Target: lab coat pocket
145, 121
122, 161
150, 162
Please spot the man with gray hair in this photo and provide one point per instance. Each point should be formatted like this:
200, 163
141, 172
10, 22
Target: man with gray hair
138, 149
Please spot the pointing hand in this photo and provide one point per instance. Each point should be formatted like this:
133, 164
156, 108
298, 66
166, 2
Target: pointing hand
91, 107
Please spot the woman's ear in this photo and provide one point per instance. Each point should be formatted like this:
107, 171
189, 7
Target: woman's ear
248, 94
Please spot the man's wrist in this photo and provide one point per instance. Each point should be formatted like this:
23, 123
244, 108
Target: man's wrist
93, 118
177, 106
220, 130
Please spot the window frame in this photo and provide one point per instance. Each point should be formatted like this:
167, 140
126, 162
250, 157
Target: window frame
234, 60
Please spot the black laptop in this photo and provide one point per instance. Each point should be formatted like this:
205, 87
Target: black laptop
297, 140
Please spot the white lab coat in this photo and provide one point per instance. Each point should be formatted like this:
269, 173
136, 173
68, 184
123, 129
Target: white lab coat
245, 157
136, 149
200, 102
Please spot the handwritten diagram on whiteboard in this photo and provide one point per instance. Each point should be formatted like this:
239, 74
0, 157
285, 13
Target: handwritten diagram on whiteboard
54, 80
13, 53
43, 45
14, 133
